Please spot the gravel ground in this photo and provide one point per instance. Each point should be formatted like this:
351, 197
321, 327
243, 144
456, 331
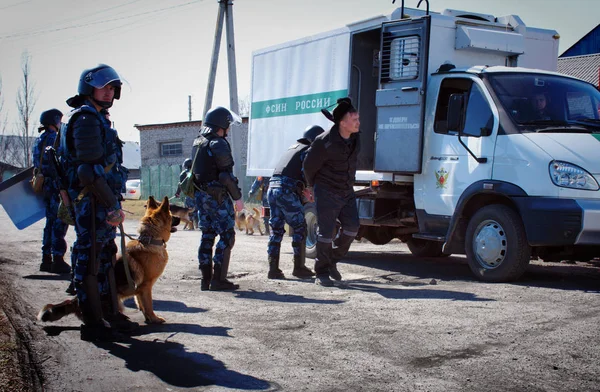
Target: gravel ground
396, 323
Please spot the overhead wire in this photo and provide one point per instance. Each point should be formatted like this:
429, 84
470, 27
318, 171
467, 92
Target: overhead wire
53, 30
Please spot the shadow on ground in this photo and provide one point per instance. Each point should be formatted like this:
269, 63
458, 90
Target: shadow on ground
176, 366
276, 297
583, 276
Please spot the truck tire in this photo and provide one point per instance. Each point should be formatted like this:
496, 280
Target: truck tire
423, 248
310, 216
496, 244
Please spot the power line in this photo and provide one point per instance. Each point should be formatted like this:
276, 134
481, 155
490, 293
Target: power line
15, 4
39, 32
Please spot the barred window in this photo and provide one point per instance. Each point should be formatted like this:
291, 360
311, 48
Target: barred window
404, 58
171, 149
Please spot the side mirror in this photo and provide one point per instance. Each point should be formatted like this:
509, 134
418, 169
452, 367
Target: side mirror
456, 106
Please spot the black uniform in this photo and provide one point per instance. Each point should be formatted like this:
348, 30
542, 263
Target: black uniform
330, 168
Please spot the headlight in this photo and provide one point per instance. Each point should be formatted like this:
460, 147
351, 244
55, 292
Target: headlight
571, 176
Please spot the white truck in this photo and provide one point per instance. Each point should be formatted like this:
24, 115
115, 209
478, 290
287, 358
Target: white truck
457, 158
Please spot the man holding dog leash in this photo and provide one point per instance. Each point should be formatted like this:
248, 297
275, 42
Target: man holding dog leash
91, 154
216, 186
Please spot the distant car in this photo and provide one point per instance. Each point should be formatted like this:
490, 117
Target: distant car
133, 190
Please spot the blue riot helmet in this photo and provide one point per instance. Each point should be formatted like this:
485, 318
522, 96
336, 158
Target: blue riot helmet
220, 117
97, 77
50, 117
310, 134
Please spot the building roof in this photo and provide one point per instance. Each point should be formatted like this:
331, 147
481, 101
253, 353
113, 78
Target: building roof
181, 124
582, 67
588, 44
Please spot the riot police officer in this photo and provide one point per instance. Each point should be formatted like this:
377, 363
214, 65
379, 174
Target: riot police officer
216, 186
92, 156
285, 200
54, 245
330, 167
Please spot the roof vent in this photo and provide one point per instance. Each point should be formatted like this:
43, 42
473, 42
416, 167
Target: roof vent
469, 15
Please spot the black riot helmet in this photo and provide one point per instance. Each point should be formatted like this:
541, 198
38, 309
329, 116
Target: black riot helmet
50, 117
310, 134
97, 77
221, 117
187, 164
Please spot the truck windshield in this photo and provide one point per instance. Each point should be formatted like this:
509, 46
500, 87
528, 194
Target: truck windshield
536, 102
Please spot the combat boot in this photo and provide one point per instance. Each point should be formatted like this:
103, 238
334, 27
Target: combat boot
324, 280
46, 265
206, 270
94, 327
300, 269
110, 308
59, 266
219, 280
274, 271
333, 271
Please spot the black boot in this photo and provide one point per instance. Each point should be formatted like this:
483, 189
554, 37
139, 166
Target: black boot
219, 280
116, 319
206, 270
324, 280
300, 269
274, 271
94, 327
46, 265
59, 266
333, 271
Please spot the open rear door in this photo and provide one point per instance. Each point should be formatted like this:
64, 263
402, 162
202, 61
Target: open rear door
400, 99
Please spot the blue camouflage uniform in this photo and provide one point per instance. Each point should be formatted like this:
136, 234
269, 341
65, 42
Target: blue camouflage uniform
215, 187
110, 167
285, 201
53, 240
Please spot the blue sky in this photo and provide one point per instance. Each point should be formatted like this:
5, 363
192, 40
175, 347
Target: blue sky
162, 48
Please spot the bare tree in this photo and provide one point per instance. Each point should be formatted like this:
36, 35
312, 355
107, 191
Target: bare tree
26, 100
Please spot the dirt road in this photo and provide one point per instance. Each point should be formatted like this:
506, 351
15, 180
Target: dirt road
396, 324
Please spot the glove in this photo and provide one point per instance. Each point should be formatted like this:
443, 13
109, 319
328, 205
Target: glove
115, 217
239, 205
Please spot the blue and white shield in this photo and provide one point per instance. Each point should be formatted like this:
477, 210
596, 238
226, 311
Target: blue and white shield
21, 203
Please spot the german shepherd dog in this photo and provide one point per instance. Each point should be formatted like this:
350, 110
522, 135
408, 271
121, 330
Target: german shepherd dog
244, 219
147, 257
183, 213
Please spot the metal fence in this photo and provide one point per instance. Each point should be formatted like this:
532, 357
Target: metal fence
162, 180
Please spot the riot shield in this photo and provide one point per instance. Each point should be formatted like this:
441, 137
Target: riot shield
23, 206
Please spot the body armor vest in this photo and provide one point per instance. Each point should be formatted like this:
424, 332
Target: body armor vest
290, 164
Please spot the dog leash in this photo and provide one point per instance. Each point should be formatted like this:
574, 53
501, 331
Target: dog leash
130, 282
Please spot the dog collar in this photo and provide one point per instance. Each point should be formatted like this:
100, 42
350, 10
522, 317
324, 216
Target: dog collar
147, 240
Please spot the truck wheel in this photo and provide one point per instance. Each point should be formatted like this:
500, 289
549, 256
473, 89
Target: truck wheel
310, 216
423, 248
496, 244
379, 235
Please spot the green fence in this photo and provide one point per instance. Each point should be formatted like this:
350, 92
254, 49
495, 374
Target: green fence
161, 180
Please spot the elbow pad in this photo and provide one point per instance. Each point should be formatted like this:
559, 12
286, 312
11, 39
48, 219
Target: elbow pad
230, 183
97, 185
87, 138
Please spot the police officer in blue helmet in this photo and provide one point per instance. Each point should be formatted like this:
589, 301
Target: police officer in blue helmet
54, 245
92, 155
216, 188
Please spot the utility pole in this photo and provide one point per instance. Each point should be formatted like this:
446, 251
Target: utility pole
189, 108
226, 13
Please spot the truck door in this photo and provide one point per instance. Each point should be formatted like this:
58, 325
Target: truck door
400, 99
